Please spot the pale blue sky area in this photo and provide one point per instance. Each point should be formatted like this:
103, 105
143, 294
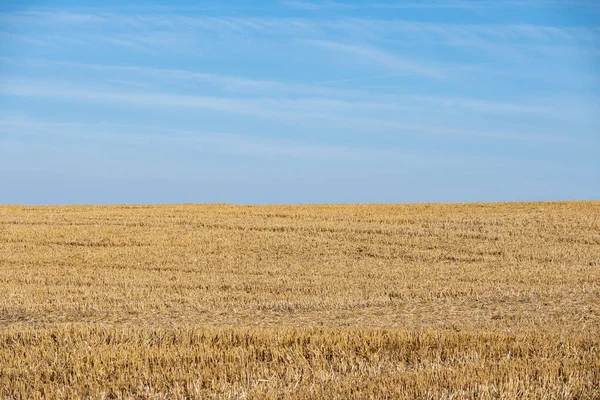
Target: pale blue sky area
299, 101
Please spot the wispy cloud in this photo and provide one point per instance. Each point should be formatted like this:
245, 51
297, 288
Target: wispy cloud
330, 101
219, 142
278, 91
167, 24
326, 113
151, 33
161, 100
386, 59
436, 4
336, 5
172, 76
508, 45
336, 86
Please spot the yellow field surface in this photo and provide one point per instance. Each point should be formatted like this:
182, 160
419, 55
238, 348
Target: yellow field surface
310, 301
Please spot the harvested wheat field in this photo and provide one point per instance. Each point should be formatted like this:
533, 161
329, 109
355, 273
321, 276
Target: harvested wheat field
317, 301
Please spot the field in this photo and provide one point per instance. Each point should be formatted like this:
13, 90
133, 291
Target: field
311, 301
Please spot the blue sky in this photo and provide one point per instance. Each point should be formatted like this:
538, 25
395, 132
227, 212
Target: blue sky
299, 101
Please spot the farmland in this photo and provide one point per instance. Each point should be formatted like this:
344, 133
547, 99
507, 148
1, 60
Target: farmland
496, 300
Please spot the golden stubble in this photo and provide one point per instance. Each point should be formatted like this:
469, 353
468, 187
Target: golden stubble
442, 301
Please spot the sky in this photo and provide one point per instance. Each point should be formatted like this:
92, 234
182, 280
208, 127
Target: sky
299, 101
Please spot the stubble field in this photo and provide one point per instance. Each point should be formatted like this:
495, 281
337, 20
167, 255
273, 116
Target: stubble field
309, 301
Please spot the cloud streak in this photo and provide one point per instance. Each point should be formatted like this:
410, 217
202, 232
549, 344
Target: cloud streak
293, 26
439, 4
510, 47
388, 60
212, 142
134, 77
350, 116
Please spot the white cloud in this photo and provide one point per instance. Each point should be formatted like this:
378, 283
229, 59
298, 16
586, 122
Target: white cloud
163, 100
212, 142
277, 89
383, 58
168, 24
350, 116
273, 95
158, 34
438, 4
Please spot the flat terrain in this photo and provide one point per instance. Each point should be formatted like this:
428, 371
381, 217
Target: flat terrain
317, 301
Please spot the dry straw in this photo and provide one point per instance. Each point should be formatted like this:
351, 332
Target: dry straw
323, 301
